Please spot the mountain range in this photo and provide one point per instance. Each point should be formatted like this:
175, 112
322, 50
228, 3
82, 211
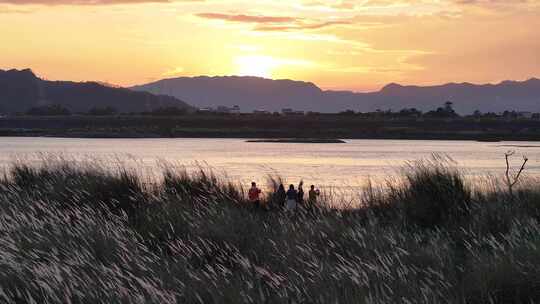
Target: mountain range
21, 90
253, 93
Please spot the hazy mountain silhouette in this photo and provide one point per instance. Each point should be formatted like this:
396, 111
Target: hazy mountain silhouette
22, 89
252, 93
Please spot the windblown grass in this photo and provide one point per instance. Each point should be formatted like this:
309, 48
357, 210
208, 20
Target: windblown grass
82, 234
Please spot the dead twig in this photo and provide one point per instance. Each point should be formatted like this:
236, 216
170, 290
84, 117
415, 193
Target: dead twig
511, 181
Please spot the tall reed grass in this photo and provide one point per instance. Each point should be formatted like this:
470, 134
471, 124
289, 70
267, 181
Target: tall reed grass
72, 233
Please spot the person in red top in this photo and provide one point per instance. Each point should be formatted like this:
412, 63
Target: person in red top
253, 195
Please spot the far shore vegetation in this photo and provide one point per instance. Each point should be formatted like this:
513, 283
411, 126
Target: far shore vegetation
75, 232
443, 123
299, 140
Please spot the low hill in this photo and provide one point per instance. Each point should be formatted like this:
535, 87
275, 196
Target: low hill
467, 97
22, 89
252, 93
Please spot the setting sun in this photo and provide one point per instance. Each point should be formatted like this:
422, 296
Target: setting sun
259, 66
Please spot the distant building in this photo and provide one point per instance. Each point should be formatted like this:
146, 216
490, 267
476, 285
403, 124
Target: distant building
206, 110
224, 109
235, 109
525, 115
287, 111
261, 112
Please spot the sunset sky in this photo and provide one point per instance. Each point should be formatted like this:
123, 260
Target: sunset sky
359, 45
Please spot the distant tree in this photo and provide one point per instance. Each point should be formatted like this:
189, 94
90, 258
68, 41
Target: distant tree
448, 106
412, 112
49, 110
447, 111
490, 115
477, 114
97, 111
510, 114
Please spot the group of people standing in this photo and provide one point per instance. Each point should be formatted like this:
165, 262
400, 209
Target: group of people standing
289, 200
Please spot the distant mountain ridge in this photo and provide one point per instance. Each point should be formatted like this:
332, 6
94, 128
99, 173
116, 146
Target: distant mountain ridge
252, 93
22, 89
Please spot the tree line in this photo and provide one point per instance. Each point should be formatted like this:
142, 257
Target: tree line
446, 111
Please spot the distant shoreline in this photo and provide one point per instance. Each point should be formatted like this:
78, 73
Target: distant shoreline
259, 140
253, 138
298, 141
324, 128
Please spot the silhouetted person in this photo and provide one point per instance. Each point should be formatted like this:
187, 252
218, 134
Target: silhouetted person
313, 194
253, 195
300, 197
280, 196
292, 197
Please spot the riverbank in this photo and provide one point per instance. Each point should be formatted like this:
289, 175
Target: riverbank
100, 235
269, 127
299, 141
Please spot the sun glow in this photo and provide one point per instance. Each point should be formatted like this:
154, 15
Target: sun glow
259, 66
351, 45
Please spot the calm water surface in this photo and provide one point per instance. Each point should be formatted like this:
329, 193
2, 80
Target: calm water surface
330, 166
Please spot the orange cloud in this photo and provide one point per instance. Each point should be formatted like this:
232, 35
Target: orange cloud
274, 23
247, 18
301, 26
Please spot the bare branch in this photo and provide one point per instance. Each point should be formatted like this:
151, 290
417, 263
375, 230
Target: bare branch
511, 182
525, 159
507, 173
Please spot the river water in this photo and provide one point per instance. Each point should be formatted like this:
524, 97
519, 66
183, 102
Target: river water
336, 167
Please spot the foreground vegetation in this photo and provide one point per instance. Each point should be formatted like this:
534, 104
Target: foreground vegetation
72, 233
